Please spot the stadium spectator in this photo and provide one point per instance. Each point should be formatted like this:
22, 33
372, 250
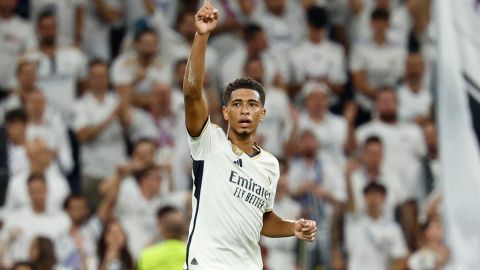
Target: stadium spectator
373, 242
371, 170
282, 252
16, 124
414, 99
170, 253
40, 162
330, 130
134, 71
276, 128
112, 250
375, 63
398, 31
430, 170
101, 120
318, 58
255, 43
403, 142
61, 68
23, 265
100, 16
17, 38
70, 14
26, 83
45, 124
36, 220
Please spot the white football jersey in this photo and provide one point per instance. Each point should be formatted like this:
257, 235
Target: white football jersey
231, 193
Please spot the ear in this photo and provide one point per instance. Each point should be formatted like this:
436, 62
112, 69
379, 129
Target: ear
262, 114
225, 113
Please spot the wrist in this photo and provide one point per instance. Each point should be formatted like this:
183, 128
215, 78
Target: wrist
206, 35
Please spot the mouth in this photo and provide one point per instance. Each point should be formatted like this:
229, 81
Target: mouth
244, 123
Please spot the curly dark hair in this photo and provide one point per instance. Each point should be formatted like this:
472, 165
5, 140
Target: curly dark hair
243, 83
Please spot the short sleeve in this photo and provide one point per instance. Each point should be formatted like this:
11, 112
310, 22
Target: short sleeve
399, 247
337, 72
80, 118
276, 176
120, 74
357, 59
208, 143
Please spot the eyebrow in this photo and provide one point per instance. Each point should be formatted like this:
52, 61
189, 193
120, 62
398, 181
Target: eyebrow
249, 100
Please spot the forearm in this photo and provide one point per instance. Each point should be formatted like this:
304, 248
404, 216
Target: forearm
195, 70
89, 133
274, 226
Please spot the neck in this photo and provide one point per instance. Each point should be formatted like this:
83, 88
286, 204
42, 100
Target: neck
99, 94
25, 89
317, 117
38, 208
36, 119
19, 141
245, 144
147, 194
373, 172
414, 85
315, 38
144, 60
36, 169
374, 214
251, 51
48, 50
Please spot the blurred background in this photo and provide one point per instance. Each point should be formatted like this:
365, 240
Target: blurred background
95, 169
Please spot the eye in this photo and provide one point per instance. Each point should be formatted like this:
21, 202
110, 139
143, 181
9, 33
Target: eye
253, 104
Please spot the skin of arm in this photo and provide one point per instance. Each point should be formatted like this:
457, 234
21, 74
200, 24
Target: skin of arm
89, 133
350, 204
196, 110
108, 14
360, 83
274, 226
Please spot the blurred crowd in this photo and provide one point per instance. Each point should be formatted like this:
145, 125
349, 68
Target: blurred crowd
95, 170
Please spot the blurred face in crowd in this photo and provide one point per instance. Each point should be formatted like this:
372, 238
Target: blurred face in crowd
39, 155
386, 106
146, 45
151, 181
415, 68
161, 94
37, 189
380, 27
186, 25
77, 210
7, 6
98, 78
16, 131
316, 103
254, 69
47, 31
316, 34
374, 201
276, 7
144, 153
27, 75
35, 104
172, 225
309, 145
258, 43
372, 155
114, 236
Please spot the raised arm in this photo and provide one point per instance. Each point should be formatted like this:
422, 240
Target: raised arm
196, 111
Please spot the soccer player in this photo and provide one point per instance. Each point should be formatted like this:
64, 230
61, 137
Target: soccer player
234, 179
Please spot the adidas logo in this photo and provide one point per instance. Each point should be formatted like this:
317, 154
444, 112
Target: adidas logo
238, 162
194, 262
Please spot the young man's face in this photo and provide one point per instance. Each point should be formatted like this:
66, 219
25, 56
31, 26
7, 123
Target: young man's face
38, 193
374, 201
244, 112
78, 210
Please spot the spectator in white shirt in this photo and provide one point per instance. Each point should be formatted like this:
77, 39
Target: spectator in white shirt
414, 99
101, 120
61, 68
319, 58
36, 220
282, 253
331, 131
404, 145
376, 63
100, 16
255, 44
136, 70
319, 188
48, 126
40, 161
430, 172
283, 21
112, 248
26, 82
16, 125
373, 242
275, 131
16, 37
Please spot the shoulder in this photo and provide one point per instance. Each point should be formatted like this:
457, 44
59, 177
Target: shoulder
70, 51
125, 59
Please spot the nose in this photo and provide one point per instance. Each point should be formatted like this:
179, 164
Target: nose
244, 109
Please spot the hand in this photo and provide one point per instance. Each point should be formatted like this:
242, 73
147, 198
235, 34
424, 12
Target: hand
305, 229
206, 18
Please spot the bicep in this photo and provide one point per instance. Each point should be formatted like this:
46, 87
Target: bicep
196, 115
